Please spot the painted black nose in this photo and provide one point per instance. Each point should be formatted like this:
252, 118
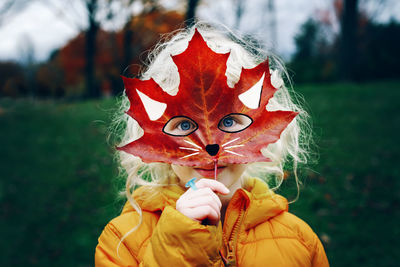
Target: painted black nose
212, 149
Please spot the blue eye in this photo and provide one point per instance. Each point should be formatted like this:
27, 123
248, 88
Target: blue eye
185, 125
180, 126
228, 122
234, 122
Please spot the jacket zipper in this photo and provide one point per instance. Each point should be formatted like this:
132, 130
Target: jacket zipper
230, 259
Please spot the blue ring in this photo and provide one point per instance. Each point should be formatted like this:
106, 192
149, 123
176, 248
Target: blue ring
191, 184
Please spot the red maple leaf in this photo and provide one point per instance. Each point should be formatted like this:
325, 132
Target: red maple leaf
206, 99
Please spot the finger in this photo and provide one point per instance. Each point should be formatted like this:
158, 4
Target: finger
191, 200
202, 192
214, 185
202, 201
205, 195
203, 212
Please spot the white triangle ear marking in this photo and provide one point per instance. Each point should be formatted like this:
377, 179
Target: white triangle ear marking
251, 98
154, 109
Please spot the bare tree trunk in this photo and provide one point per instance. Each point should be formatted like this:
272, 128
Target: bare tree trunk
90, 50
239, 12
128, 36
348, 39
191, 11
272, 25
27, 57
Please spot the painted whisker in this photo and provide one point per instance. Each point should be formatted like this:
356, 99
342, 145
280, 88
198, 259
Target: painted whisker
233, 146
193, 144
190, 155
234, 153
230, 141
188, 148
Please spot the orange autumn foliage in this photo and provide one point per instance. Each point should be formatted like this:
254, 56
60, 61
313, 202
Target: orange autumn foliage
109, 59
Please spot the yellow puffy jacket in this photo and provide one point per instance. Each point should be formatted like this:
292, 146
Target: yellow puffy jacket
258, 231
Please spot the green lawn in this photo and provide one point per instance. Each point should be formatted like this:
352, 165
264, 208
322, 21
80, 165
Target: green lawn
57, 189
58, 186
352, 199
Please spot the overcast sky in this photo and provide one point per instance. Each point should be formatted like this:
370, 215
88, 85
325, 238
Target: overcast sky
47, 28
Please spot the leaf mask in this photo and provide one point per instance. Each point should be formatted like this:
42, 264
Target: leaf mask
207, 120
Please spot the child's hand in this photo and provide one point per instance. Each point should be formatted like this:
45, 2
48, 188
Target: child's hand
203, 203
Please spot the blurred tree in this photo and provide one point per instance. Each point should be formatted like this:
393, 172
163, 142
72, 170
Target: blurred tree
272, 29
90, 48
378, 48
97, 12
12, 79
72, 60
191, 11
363, 49
109, 62
26, 50
128, 35
306, 41
239, 4
12, 75
130, 51
50, 78
314, 56
8, 8
147, 26
348, 52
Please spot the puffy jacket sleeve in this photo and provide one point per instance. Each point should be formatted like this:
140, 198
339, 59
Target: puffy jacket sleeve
180, 241
106, 251
319, 259
174, 240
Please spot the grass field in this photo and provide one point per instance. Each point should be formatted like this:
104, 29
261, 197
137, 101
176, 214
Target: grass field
58, 186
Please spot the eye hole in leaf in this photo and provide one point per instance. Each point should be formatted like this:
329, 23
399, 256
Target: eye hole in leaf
180, 126
234, 123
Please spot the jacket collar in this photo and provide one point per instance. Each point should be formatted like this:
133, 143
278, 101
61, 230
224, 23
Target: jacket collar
259, 201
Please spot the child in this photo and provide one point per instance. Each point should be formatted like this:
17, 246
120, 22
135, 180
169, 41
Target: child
209, 107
